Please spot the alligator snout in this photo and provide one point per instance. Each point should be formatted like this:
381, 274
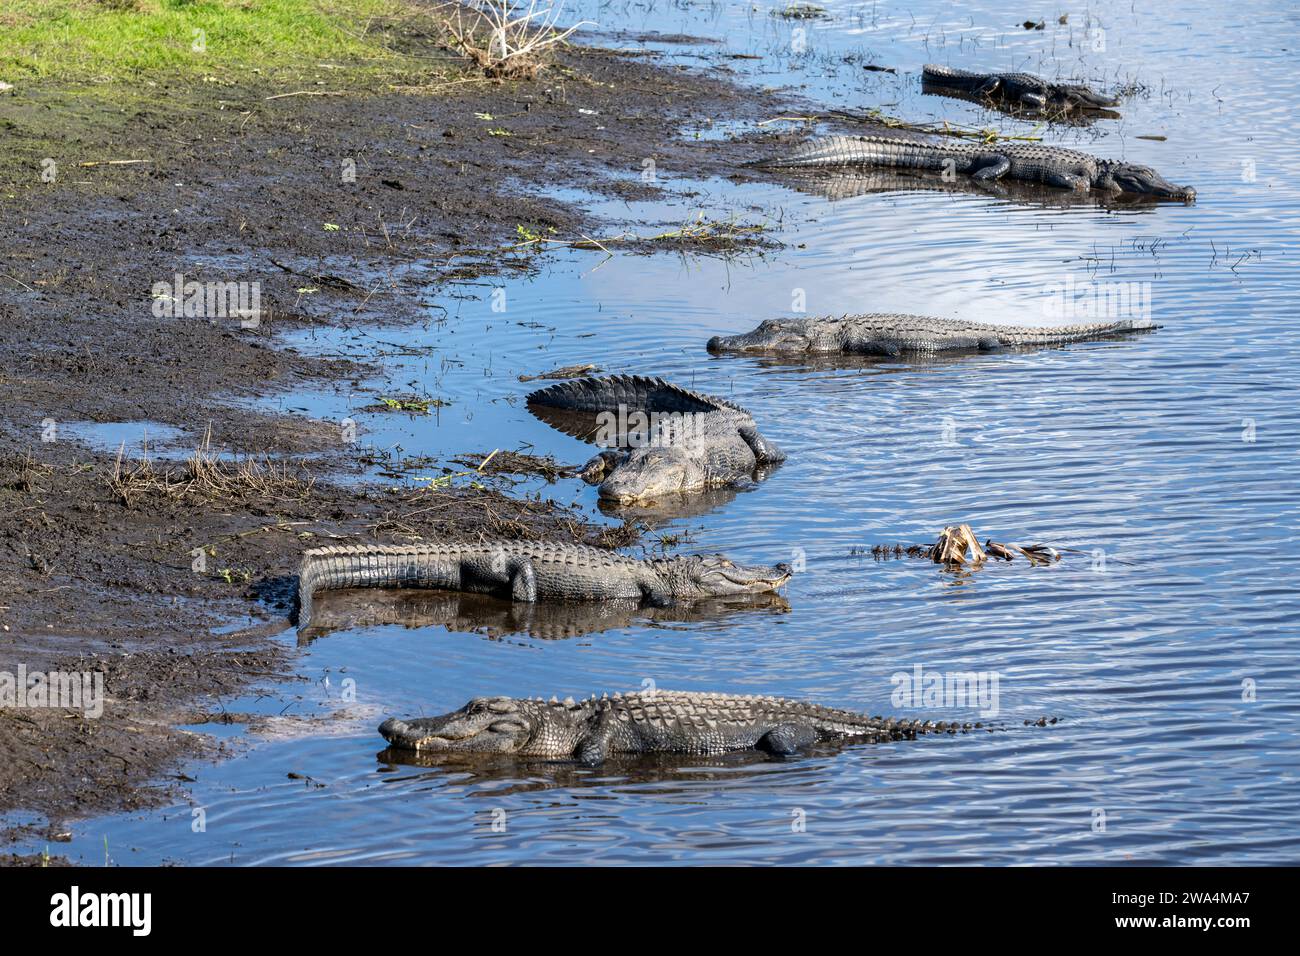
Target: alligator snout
397, 732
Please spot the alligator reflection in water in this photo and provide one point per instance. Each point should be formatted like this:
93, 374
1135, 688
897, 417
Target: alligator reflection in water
666, 509
835, 185
904, 366
495, 618
509, 775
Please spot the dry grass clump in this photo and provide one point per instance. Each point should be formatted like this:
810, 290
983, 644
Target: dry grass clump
513, 463
20, 472
205, 475
505, 39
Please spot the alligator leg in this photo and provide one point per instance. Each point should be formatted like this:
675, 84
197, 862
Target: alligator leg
765, 451
597, 469
873, 347
996, 166
594, 748
1033, 100
787, 739
1067, 181
654, 597
523, 580
988, 87
512, 575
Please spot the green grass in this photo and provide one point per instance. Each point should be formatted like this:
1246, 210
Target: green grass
125, 39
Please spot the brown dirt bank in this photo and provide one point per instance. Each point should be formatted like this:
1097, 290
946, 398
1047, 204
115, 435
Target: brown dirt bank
96, 570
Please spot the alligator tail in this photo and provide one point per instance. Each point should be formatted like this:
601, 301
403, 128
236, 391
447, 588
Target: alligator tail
1072, 333
362, 566
897, 729
834, 151
578, 407
951, 75
825, 151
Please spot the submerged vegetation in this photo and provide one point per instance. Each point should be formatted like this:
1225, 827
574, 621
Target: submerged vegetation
701, 235
801, 11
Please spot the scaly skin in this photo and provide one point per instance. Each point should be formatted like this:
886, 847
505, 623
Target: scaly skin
1029, 162
889, 334
529, 571
1023, 89
664, 440
660, 721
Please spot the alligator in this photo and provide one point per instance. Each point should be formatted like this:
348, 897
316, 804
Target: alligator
661, 439
887, 334
494, 618
1021, 89
529, 571
986, 164
653, 721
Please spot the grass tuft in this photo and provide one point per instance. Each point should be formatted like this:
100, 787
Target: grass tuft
105, 40
205, 475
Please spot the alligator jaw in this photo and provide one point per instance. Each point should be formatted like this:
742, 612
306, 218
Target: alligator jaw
401, 735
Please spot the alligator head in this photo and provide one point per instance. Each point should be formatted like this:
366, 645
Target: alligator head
784, 335
1132, 178
714, 575
501, 725
1070, 95
644, 473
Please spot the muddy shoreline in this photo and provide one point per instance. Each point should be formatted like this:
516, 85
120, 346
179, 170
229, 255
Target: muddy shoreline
98, 556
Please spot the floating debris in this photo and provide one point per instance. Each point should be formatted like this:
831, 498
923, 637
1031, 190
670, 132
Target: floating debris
986, 135
1036, 553
801, 11
567, 371
954, 543
958, 546
699, 235
412, 405
513, 463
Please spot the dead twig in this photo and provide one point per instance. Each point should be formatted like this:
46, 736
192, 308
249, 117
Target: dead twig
280, 96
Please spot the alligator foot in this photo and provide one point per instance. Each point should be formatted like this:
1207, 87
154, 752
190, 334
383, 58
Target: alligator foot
598, 468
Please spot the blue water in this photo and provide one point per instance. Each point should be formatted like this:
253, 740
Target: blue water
1165, 640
